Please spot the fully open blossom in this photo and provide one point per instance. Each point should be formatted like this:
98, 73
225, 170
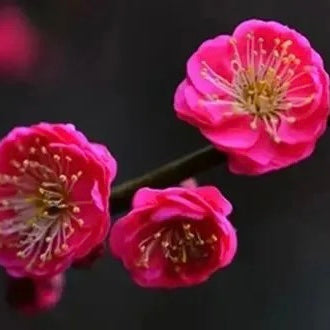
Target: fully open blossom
54, 192
261, 95
19, 42
175, 237
33, 296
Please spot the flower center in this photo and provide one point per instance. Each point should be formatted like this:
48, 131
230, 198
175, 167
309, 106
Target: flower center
180, 244
262, 86
39, 216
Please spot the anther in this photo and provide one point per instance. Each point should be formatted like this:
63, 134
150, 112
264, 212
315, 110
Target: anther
57, 157
142, 248
5, 202
80, 222
253, 124
15, 163
74, 178
20, 254
165, 244
44, 150
286, 44
277, 139
186, 226
157, 235
274, 120
76, 209
43, 257
292, 57
63, 178
290, 72
214, 238
32, 150
6, 177
277, 41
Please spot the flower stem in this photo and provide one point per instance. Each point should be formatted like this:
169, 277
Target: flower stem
169, 174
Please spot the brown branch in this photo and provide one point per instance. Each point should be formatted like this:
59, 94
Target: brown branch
166, 175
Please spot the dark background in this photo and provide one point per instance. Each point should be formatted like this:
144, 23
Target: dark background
112, 68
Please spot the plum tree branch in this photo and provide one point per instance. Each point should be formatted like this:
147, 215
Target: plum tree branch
169, 174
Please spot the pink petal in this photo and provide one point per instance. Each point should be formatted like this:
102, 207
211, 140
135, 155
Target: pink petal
217, 53
235, 132
213, 196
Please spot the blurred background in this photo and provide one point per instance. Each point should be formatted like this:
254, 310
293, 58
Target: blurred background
111, 68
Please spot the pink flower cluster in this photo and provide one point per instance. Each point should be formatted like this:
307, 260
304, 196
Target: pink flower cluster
260, 95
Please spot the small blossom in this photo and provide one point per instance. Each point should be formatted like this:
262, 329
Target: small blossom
175, 237
19, 42
189, 183
54, 192
33, 296
261, 95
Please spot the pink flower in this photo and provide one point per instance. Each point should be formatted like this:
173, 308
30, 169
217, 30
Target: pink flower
54, 192
261, 96
19, 42
175, 237
32, 296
